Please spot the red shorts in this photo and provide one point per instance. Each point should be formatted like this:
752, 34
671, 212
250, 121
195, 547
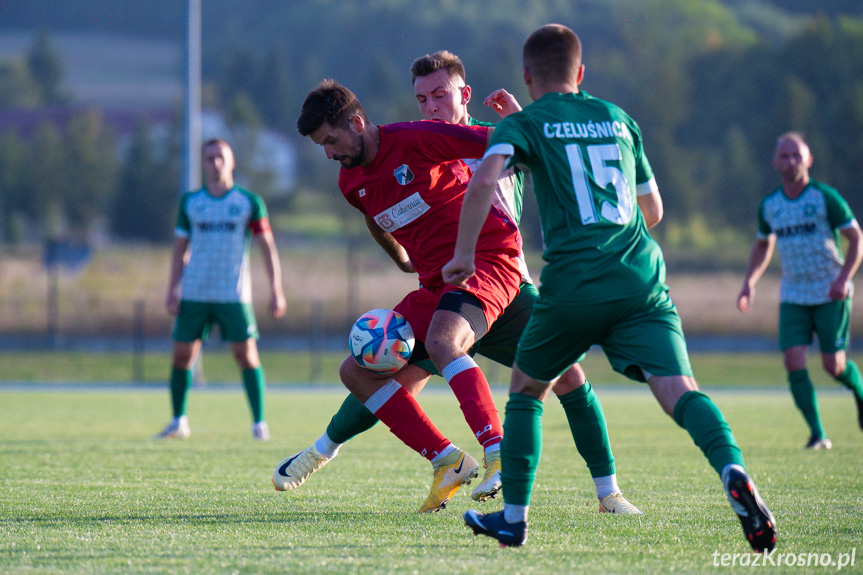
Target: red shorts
495, 283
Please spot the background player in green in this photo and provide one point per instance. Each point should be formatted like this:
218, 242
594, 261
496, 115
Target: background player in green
603, 282
804, 218
442, 94
211, 258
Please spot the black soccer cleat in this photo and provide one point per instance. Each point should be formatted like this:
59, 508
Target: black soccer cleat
495, 526
860, 412
756, 519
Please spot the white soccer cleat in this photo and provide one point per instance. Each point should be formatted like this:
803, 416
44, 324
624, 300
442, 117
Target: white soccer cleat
816, 443
261, 431
177, 429
293, 471
617, 503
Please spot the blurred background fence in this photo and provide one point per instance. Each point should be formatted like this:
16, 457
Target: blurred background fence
117, 297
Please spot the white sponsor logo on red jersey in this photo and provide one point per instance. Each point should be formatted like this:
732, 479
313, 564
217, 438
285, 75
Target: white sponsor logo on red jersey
402, 213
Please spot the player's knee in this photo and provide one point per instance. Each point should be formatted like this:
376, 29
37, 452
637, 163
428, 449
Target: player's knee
348, 372
572, 379
443, 351
833, 364
523, 383
183, 357
361, 382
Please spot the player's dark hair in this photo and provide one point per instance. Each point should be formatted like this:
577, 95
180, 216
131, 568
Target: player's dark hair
332, 103
552, 53
440, 60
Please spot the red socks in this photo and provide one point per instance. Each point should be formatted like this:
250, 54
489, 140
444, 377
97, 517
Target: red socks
474, 397
399, 411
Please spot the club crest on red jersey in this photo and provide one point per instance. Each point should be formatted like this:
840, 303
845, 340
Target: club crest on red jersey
403, 174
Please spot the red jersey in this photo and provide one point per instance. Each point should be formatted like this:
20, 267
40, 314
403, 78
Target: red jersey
414, 190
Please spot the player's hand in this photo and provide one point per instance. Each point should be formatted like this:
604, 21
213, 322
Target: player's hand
172, 302
458, 270
502, 102
839, 289
278, 305
745, 299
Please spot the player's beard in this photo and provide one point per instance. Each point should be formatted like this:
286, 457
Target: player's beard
355, 159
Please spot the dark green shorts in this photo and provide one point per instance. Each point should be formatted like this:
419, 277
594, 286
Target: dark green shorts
639, 334
830, 321
501, 341
236, 321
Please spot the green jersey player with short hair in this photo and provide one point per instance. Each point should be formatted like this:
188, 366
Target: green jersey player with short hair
804, 220
603, 282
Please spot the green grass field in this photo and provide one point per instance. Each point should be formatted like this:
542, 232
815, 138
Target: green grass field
85, 490
735, 369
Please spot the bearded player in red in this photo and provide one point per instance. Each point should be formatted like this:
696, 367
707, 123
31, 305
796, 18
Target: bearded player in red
408, 180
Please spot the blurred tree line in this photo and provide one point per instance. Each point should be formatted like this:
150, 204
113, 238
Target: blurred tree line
65, 178
712, 84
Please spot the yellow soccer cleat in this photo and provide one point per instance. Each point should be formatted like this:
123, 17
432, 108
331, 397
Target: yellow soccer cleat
292, 471
617, 503
455, 470
490, 484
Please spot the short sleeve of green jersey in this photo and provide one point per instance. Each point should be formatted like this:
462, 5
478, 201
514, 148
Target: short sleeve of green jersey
508, 139
182, 216
764, 228
259, 208
838, 211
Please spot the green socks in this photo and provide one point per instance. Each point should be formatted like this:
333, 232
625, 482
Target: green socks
803, 393
350, 420
255, 383
181, 381
587, 423
521, 447
697, 414
852, 379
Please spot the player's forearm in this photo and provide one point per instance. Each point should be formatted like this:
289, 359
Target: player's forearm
853, 255
272, 263
759, 260
477, 203
395, 251
178, 263
391, 247
474, 212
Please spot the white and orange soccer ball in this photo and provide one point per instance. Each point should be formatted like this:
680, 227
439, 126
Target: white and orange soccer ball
381, 340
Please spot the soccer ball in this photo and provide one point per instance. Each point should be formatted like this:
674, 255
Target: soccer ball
381, 340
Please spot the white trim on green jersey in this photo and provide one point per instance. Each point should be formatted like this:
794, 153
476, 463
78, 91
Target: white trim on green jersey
807, 240
219, 232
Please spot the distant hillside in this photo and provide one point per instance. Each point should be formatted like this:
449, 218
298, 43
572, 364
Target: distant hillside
111, 71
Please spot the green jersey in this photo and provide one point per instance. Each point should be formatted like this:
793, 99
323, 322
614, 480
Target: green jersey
807, 240
219, 230
587, 163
